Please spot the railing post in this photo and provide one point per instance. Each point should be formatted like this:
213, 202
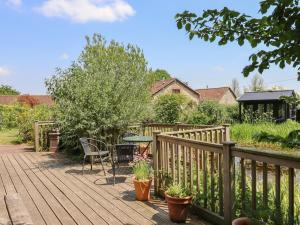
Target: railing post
36, 136
228, 182
156, 149
227, 132
176, 127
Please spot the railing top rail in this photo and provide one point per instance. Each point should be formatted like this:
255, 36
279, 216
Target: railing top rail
261, 154
176, 124
213, 147
194, 130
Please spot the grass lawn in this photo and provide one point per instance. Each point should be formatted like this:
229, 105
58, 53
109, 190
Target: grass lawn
244, 134
8, 137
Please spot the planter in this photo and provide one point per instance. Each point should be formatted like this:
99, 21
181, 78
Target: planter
142, 189
178, 208
54, 141
242, 221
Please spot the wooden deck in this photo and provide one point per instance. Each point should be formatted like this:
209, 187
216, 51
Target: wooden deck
55, 192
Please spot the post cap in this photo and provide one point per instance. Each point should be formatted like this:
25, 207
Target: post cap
231, 143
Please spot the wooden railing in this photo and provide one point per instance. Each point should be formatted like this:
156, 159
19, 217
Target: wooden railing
41, 134
218, 172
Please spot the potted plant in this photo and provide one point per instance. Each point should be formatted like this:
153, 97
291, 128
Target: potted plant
178, 199
142, 180
242, 221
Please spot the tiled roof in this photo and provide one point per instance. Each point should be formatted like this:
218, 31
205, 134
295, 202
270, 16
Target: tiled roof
265, 95
159, 85
213, 94
40, 99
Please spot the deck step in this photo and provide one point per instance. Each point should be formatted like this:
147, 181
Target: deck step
17, 210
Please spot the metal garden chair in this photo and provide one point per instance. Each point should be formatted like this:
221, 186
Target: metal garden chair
124, 154
95, 149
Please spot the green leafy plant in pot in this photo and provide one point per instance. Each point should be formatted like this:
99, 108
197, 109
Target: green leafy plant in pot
142, 180
178, 199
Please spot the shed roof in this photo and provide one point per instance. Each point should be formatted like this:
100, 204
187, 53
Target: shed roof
265, 95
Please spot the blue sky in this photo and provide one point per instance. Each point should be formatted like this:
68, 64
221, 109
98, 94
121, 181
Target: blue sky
39, 35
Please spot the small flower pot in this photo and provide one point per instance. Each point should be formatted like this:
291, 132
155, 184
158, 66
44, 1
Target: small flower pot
242, 221
142, 189
178, 208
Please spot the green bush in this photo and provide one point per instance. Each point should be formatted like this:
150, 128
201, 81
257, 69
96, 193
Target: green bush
178, 191
23, 117
168, 108
209, 112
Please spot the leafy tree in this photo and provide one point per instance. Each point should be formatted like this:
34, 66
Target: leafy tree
168, 108
8, 90
257, 84
158, 75
278, 29
235, 87
102, 92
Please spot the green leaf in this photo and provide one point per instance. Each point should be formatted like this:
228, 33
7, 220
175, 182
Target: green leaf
188, 27
282, 64
179, 25
240, 41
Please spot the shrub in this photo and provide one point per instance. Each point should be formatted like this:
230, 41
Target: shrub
9, 115
209, 112
168, 108
142, 170
101, 93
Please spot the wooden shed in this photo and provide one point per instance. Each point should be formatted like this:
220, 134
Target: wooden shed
268, 101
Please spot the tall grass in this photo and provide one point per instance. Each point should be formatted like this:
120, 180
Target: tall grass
244, 133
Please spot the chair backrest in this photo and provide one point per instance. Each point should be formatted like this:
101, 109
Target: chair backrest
85, 145
125, 152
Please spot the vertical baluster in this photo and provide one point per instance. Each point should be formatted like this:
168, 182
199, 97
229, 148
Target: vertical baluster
253, 184
191, 169
216, 136
291, 196
198, 169
243, 185
277, 194
205, 179
212, 181
168, 148
173, 163
265, 185
179, 163
220, 184
184, 166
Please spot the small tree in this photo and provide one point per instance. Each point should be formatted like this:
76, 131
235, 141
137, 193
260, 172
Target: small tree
158, 75
257, 84
103, 92
8, 90
235, 86
168, 108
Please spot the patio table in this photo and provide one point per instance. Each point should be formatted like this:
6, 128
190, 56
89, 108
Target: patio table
139, 139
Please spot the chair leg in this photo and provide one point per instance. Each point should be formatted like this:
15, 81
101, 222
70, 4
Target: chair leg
83, 164
91, 159
102, 166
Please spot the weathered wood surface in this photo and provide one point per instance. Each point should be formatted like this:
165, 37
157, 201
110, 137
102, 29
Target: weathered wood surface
55, 192
17, 210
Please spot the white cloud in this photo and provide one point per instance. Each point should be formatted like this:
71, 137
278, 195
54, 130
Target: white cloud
64, 56
14, 3
4, 71
219, 69
83, 11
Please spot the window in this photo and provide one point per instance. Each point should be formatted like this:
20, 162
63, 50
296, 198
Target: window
176, 91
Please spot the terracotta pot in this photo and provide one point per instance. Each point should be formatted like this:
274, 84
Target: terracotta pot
178, 208
142, 189
242, 221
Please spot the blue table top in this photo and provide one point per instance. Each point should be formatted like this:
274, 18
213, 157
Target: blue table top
138, 139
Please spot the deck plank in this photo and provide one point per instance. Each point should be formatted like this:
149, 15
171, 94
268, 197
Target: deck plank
29, 203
